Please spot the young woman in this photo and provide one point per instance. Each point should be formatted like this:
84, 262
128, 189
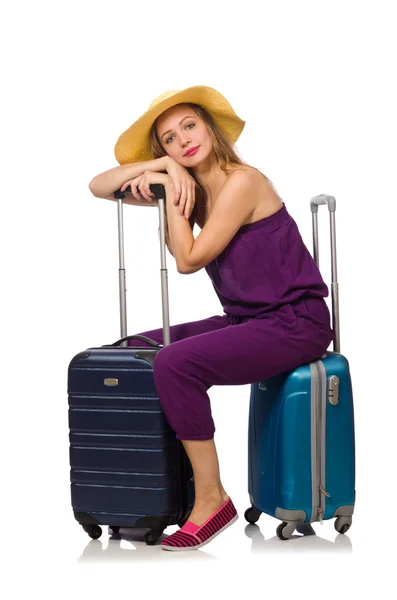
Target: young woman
272, 293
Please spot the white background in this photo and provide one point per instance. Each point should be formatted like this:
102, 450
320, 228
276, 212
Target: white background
315, 82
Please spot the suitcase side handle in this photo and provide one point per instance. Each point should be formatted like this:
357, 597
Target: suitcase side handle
159, 191
331, 203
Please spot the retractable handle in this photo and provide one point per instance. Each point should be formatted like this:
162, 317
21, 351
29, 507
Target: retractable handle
314, 204
159, 192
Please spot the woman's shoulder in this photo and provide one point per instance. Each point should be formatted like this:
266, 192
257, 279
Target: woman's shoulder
255, 173
262, 183
267, 199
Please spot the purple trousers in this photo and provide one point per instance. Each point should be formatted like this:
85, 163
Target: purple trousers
229, 350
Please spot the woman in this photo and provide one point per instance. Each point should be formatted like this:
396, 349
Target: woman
275, 316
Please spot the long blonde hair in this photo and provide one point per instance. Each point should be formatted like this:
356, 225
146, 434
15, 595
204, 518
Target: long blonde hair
225, 157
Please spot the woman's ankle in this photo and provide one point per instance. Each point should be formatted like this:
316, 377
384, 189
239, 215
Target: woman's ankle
224, 493
210, 498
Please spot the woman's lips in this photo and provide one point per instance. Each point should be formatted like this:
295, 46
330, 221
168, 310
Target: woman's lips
192, 151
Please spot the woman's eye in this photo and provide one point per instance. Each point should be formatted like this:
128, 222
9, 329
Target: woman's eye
187, 125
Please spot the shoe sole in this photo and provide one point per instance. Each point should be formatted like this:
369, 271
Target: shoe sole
177, 548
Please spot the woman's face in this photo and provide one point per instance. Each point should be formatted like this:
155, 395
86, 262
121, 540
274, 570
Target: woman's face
180, 129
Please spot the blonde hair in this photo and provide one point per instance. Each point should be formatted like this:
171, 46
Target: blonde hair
225, 156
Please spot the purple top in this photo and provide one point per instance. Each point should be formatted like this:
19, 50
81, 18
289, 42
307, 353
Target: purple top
264, 266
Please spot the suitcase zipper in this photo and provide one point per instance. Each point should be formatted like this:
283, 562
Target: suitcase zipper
318, 422
321, 510
323, 414
314, 439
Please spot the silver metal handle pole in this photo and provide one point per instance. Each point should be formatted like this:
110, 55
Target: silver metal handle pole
164, 274
122, 280
314, 204
159, 191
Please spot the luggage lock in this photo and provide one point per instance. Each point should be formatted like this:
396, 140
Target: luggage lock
333, 390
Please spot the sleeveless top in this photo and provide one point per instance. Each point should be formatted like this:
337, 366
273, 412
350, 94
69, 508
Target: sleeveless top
265, 266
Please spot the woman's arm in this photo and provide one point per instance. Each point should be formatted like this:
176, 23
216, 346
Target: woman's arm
105, 184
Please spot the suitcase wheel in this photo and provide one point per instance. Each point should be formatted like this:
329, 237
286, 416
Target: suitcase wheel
114, 529
285, 530
343, 524
252, 514
94, 531
151, 537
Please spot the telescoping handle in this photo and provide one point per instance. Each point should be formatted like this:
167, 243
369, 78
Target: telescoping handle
159, 192
314, 204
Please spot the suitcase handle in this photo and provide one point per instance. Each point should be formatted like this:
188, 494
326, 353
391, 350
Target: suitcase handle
143, 338
331, 203
159, 191
157, 188
323, 199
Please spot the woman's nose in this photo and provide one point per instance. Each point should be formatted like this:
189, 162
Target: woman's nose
185, 140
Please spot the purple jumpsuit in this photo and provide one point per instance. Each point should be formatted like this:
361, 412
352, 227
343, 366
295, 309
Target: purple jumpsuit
275, 319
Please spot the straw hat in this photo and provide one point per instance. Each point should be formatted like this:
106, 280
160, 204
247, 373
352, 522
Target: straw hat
134, 144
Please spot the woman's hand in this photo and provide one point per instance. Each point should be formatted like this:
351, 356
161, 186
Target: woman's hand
140, 185
184, 187
178, 177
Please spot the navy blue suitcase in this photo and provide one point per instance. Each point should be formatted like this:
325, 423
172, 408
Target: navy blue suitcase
127, 468
301, 448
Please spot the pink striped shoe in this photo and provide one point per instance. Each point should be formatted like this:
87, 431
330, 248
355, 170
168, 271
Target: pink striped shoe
192, 536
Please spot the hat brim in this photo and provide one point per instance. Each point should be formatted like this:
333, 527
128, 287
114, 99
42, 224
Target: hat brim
133, 145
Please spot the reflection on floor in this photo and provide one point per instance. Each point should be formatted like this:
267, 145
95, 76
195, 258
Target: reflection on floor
116, 547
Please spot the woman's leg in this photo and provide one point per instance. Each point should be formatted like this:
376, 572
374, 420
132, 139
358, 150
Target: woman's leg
207, 482
235, 355
209, 491
182, 330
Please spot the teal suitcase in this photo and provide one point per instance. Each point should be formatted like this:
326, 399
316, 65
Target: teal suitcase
301, 445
